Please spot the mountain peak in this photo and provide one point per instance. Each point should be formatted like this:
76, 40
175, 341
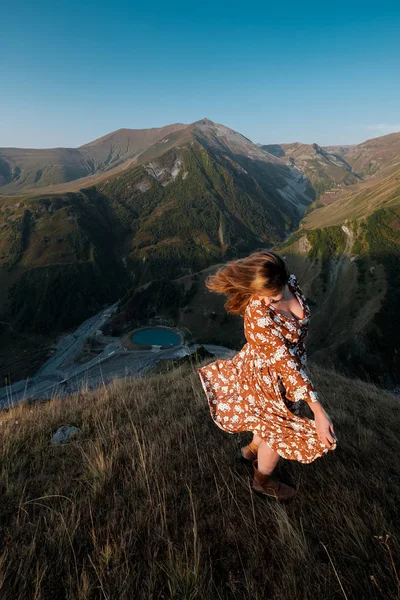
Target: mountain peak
226, 139
204, 121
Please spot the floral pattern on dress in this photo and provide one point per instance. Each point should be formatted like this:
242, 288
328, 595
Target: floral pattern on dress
261, 389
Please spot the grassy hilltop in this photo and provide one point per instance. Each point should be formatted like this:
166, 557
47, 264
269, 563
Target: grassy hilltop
148, 501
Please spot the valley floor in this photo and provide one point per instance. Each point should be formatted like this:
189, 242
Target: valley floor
62, 374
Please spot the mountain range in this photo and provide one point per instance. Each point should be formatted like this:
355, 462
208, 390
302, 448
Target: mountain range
30, 169
33, 170
82, 227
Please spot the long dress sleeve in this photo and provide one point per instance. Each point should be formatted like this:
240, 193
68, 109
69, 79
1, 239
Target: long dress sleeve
281, 355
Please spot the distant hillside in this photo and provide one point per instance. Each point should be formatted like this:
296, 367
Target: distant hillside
192, 199
30, 170
349, 274
347, 254
185, 302
147, 501
197, 197
354, 202
27, 169
324, 168
376, 157
341, 166
59, 260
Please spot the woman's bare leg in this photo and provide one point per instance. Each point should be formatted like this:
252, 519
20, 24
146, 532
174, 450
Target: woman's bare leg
267, 458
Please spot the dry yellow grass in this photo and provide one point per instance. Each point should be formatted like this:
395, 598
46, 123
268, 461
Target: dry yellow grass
356, 202
149, 502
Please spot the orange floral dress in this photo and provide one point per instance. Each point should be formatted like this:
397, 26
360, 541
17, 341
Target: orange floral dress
262, 387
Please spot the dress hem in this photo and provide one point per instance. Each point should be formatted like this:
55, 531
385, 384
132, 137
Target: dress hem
272, 445
209, 400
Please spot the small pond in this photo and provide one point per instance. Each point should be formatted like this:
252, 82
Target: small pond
156, 337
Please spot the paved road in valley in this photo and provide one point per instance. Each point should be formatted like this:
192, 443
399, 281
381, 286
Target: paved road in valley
60, 375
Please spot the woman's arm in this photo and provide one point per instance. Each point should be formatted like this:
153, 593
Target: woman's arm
317, 408
284, 361
298, 385
261, 330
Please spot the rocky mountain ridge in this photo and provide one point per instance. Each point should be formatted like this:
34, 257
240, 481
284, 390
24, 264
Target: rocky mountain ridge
30, 169
198, 196
194, 198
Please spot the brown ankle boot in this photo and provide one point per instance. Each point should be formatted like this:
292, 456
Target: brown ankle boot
264, 484
248, 452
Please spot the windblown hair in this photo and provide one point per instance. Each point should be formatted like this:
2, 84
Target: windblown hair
262, 272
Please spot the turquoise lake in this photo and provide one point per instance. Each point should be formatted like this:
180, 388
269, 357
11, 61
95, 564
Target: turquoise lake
156, 337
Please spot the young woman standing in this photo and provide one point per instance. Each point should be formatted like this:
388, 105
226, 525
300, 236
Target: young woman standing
261, 388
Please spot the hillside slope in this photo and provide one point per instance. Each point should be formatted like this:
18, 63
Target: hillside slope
197, 196
148, 501
324, 168
350, 272
25, 169
354, 202
347, 253
59, 261
375, 157
337, 171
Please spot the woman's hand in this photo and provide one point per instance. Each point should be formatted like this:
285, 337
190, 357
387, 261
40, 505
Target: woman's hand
324, 428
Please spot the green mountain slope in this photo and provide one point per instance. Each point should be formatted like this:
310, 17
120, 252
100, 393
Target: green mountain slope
351, 274
195, 198
347, 252
58, 261
198, 196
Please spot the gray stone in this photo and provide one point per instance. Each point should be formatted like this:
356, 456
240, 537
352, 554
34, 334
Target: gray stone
64, 433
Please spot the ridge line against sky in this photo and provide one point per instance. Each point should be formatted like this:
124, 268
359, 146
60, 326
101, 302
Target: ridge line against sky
72, 72
380, 129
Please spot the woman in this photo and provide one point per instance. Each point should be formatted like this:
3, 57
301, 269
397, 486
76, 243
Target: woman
262, 387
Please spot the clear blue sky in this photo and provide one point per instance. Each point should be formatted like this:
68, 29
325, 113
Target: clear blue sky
72, 71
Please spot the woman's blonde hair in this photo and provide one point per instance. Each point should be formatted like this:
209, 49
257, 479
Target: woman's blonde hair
262, 272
